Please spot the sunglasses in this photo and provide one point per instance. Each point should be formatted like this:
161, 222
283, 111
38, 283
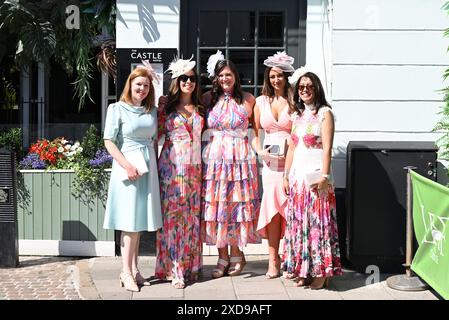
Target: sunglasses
184, 78
301, 87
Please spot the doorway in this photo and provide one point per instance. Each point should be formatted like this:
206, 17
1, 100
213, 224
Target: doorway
247, 32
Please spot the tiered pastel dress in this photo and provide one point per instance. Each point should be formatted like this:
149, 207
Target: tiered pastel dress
274, 199
231, 200
311, 238
133, 205
178, 243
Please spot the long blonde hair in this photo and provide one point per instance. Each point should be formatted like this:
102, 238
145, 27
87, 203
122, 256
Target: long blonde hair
126, 96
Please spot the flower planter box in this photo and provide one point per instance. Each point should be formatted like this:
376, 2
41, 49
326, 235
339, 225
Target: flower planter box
52, 221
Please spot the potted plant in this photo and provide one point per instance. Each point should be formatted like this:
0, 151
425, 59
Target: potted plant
65, 188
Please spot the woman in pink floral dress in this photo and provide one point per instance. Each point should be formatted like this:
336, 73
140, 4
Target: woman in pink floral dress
230, 179
178, 243
311, 250
271, 116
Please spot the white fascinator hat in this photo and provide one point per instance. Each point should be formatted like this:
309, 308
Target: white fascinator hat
297, 74
212, 62
280, 60
180, 66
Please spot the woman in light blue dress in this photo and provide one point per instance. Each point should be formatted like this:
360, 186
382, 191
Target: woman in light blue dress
133, 203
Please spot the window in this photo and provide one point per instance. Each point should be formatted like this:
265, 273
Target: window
246, 38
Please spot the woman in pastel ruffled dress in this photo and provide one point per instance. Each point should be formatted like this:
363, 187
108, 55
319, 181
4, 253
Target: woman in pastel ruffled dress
179, 246
271, 115
133, 205
231, 200
311, 250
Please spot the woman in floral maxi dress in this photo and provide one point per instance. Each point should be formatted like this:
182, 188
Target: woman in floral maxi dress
311, 249
178, 243
231, 200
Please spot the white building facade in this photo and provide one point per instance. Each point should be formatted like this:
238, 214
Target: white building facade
381, 61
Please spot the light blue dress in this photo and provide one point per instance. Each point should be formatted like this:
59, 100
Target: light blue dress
133, 205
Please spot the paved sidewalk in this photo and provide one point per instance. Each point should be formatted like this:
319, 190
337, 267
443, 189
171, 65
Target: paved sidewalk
74, 278
40, 278
98, 279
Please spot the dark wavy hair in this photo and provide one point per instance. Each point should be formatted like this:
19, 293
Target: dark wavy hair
268, 90
174, 95
217, 91
320, 97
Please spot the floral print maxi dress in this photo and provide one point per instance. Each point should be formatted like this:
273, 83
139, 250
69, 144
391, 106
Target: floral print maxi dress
178, 243
311, 239
231, 201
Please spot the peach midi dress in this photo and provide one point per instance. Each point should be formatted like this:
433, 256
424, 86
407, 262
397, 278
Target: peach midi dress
274, 199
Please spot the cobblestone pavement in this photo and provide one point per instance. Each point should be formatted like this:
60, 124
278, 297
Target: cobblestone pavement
42, 278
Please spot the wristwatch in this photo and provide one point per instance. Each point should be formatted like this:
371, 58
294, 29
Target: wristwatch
326, 176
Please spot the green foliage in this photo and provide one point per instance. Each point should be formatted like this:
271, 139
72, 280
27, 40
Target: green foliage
89, 181
91, 142
443, 124
37, 31
12, 140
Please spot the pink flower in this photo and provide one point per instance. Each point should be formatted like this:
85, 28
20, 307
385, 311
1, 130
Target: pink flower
295, 139
282, 57
310, 140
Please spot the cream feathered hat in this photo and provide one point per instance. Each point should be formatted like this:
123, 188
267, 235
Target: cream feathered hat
212, 62
280, 60
180, 66
297, 74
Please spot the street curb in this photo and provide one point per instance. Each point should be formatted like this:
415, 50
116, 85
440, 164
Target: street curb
83, 281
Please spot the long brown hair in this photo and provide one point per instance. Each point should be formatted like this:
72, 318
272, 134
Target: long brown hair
174, 95
320, 97
217, 91
268, 90
126, 95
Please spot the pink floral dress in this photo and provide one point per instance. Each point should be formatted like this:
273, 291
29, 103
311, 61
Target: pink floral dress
311, 237
178, 243
231, 201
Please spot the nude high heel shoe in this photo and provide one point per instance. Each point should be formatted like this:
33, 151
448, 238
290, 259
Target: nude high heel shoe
217, 272
277, 273
128, 281
239, 263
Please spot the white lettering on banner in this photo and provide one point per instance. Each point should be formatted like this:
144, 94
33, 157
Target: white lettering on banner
436, 227
152, 56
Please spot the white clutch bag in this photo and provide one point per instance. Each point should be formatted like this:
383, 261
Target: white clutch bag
137, 160
313, 177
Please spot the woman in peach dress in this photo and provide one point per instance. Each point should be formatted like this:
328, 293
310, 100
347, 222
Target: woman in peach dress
271, 115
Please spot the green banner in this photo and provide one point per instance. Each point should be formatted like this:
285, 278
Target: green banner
431, 224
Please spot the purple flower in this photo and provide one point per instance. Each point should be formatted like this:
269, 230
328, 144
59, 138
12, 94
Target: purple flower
102, 158
32, 161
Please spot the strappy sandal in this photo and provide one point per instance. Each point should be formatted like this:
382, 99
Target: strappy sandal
304, 282
140, 280
217, 272
234, 270
278, 272
288, 275
128, 281
178, 283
